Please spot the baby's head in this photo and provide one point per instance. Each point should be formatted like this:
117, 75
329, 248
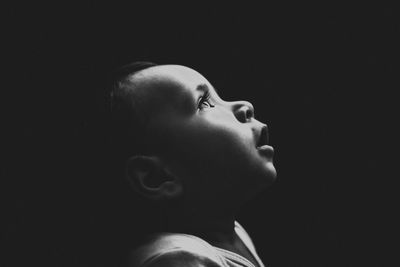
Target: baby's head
183, 142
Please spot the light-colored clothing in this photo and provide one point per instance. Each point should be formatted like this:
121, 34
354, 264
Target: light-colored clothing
173, 249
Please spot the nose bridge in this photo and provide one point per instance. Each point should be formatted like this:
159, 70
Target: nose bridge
243, 110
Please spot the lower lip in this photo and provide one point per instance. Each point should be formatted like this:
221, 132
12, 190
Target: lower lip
266, 150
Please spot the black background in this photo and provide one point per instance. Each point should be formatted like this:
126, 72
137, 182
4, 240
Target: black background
323, 77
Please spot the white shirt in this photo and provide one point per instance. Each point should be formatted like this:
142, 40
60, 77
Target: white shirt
176, 249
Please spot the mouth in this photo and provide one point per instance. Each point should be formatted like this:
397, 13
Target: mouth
263, 138
262, 145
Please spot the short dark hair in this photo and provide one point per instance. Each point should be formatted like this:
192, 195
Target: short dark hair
125, 126
133, 216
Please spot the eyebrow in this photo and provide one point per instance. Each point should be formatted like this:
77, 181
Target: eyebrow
204, 87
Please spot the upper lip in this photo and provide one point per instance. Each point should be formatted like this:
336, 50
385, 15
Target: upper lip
263, 136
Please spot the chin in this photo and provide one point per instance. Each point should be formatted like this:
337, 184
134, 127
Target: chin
269, 177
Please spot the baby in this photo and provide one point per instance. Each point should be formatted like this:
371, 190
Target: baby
196, 156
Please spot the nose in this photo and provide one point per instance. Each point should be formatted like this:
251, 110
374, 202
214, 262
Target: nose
243, 110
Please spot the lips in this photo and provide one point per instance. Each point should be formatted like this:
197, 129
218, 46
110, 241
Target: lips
263, 137
262, 144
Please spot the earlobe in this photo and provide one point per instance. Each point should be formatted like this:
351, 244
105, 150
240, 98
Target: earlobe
172, 189
149, 177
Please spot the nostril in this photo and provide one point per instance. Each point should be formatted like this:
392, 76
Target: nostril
242, 114
244, 111
249, 113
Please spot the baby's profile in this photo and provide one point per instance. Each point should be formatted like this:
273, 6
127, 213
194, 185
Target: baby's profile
198, 157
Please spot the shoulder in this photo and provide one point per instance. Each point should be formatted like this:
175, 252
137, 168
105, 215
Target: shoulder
181, 257
176, 250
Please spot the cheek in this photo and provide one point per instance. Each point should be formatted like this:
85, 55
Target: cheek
207, 144
218, 147
217, 153
229, 149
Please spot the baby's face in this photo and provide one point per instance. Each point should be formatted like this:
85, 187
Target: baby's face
211, 144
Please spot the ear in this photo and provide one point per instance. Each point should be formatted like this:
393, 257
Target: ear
150, 178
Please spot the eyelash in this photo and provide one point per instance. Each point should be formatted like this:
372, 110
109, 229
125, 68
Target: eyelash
205, 98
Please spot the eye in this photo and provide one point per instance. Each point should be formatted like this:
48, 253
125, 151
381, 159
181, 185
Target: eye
205, 101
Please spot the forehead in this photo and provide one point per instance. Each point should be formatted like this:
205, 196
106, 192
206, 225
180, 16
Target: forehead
167, 76
171, 81
168, 86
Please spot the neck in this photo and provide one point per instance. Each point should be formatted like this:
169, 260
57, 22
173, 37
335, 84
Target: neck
214, 227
